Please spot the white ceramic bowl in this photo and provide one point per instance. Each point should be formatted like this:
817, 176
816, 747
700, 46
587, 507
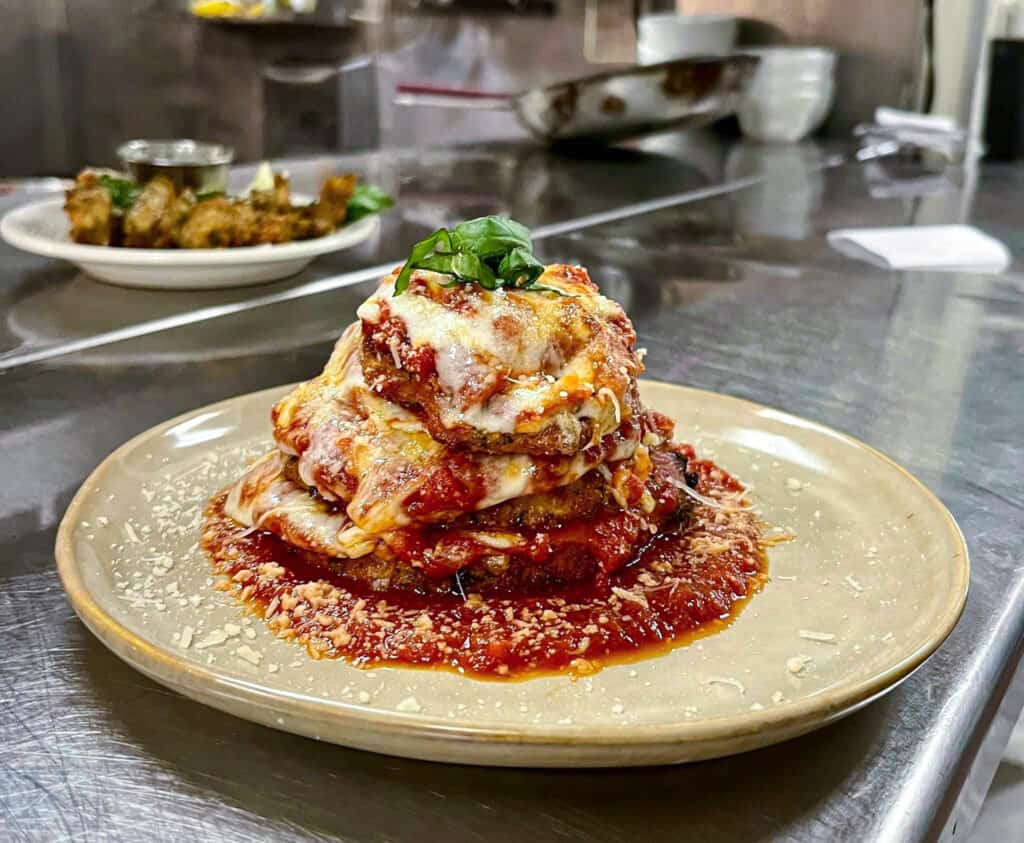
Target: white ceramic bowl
664, 37
790, 95
783, 60
784, 119
784, 206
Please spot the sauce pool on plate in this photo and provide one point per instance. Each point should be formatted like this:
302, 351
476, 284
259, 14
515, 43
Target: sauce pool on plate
688, 579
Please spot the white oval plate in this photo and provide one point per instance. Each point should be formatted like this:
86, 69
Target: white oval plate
42, 228
877, 563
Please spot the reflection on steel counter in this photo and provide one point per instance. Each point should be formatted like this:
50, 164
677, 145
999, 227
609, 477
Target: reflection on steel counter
785, 205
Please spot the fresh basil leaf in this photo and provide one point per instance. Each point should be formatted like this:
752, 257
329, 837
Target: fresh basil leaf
519, 268
469, 267
367, 199
440, 238
437, 263
123, 192
490, 251
489, 237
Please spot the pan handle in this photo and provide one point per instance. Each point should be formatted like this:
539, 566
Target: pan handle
442, 97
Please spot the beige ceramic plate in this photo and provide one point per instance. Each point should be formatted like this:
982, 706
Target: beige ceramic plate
873, 583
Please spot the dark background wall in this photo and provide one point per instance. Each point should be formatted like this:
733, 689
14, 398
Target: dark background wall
78, 76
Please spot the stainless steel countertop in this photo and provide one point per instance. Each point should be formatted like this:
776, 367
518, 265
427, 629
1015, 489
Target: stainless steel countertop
737, 293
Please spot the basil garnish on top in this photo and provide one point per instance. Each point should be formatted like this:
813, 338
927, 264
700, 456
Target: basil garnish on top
490, 251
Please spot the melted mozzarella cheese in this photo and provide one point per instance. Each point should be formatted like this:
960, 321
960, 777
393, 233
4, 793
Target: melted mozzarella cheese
266, 498
354, 446
491, 339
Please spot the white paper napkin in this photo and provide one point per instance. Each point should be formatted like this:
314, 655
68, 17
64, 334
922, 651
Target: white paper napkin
911, 129
894, 118
941, 247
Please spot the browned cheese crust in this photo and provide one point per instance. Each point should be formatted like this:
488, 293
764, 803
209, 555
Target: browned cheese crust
579, 344
563, 435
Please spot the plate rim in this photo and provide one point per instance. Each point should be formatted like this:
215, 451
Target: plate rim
13, 232
816, 710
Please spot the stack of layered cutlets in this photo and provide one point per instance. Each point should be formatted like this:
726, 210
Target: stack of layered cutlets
463, 438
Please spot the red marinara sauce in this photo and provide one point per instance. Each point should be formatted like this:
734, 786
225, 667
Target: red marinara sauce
687, 580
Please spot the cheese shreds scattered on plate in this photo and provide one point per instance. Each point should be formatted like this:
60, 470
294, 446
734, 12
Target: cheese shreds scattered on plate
185, 641
249, 654
797, 664
821, 637
727, 680
214, 639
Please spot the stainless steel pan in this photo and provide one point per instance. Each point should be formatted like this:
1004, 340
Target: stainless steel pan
613, 105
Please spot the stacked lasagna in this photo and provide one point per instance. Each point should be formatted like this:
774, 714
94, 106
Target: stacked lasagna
468, 439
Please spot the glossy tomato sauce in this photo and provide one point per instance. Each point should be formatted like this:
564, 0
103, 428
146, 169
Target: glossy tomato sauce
690, 578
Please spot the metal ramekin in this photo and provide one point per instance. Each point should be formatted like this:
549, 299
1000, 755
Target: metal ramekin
188, 163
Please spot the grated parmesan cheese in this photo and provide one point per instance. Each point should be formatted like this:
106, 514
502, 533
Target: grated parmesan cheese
821, 637
796, 664
631, 596
248, 654
215, 638
727, 680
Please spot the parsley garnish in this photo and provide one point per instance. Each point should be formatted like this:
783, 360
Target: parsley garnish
123, 192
